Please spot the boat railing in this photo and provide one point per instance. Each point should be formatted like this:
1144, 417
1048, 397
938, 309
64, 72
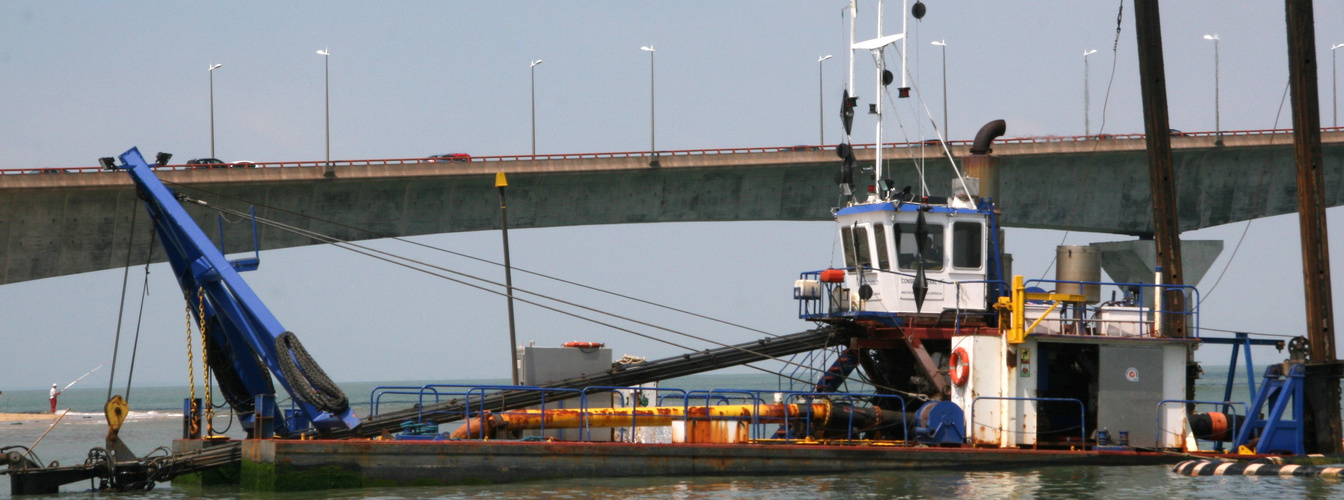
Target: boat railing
483, 391
819, 299
799, 369
472, 396
376, 395
723, 397
1082, 415
1228, 406
851, 398
585, 429
1136, 317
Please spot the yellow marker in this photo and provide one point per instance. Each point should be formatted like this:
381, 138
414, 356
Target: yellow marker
500, 181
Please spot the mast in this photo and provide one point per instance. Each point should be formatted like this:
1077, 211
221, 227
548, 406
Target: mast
1161, 175
853, 13
877, 97
1323, 370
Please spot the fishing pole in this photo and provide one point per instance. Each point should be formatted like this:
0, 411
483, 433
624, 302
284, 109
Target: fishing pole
81, 377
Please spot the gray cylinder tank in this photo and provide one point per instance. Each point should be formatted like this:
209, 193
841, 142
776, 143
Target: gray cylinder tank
1078, 263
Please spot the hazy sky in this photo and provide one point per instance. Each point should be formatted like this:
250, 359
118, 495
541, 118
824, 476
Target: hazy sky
81, 80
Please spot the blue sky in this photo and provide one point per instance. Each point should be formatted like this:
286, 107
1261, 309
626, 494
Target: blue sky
81, 80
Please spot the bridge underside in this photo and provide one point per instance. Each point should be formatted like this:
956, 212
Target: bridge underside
53, 225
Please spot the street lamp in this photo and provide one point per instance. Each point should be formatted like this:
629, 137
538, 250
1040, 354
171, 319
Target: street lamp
821, 102
652, 150
1334, 86
1087, 95
1217, 127
534, 105
326, 84
212, 69
943, 44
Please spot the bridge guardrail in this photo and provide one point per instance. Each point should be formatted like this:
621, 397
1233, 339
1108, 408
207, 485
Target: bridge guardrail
643, 154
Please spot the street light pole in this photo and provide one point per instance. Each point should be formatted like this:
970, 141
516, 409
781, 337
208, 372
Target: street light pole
534, 105
326, 84
1087, 95
212, 69
653, 151
821, 102
943, 44
1217, 126
1334, 86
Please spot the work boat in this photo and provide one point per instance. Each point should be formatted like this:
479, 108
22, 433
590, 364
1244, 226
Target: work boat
1013, 362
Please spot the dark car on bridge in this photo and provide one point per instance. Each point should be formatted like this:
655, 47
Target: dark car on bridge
197, 163
446, 158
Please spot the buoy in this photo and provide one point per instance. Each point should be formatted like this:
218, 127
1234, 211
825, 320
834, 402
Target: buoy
584, 345
959, 366
833, 276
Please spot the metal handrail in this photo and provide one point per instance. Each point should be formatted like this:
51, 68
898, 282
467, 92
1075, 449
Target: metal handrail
587, 432
1143, 307
674, 152
1082, 413
850, 397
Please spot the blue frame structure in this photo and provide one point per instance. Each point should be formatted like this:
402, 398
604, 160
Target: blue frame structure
237, 321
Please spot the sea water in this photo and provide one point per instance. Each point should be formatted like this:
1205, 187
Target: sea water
155, 420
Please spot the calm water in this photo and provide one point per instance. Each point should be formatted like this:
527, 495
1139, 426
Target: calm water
155, 421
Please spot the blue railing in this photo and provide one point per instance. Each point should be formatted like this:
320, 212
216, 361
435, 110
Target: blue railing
1082, 415
473, 397
852, 399
587, 432
1227, 405
1145, 310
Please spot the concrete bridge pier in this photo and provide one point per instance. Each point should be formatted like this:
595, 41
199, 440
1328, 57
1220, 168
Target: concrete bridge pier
1135, 261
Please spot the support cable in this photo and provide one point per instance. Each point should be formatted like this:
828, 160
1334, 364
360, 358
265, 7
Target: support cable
135, 346
1105, 104
401, 239
121, 310
1268, 154
412, 263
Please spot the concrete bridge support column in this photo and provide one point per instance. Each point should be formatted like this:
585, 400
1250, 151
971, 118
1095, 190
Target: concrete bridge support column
1135, 261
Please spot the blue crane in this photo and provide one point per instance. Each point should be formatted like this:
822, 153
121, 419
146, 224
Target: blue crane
252, 344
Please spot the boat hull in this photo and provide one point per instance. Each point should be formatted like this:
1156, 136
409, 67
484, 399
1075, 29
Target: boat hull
289, 465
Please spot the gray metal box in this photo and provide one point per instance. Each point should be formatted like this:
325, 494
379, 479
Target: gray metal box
1129, 389
543, 365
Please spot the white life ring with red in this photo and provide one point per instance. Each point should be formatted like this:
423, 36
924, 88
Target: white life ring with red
959, 366
584, 345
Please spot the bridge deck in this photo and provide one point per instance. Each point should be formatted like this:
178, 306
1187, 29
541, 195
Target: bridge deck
52, 225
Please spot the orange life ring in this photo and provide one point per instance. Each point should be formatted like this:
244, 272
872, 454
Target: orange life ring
959, 366
584, 345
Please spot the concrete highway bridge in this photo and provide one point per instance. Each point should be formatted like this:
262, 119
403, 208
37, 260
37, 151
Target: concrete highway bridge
62, 221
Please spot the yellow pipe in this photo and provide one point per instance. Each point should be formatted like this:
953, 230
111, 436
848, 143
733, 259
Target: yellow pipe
649, 416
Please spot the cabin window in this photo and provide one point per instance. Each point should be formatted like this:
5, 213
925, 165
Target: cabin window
906, 248
861, 248
967, 245
880, 235
847, 242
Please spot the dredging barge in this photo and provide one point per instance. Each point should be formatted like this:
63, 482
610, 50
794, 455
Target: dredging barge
1002, 376
1000, 372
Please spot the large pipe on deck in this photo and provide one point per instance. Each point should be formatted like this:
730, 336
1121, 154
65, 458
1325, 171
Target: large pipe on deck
491, 424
